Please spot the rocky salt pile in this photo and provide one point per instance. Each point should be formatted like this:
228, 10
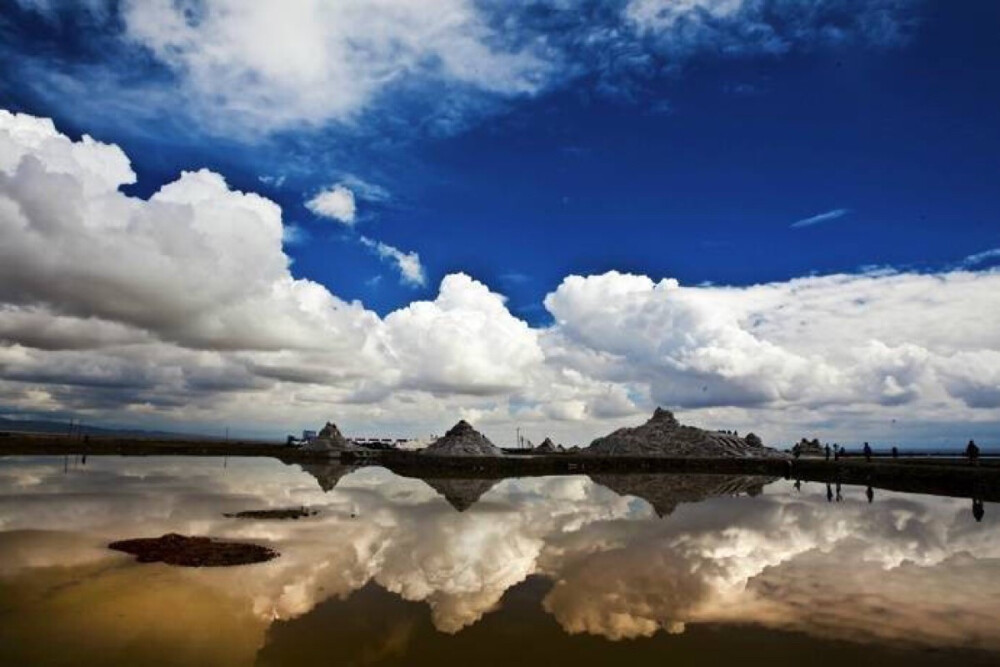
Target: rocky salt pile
663, 435
330, 440
463, 440
547, 447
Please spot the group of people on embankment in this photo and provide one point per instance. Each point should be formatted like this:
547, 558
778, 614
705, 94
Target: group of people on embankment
836, 452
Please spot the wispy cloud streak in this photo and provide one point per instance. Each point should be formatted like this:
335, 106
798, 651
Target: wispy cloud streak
821, 217
982, 258
411, 271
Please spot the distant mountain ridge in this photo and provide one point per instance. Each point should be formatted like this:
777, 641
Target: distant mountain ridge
48, 426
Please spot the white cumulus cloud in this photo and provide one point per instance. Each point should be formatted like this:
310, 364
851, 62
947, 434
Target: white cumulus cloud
182, 308
272, 64
336, 203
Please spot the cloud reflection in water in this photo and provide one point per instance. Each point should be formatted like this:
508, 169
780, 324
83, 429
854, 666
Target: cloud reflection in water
905, 569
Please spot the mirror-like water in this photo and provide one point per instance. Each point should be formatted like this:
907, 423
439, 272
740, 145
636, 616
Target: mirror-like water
649, 569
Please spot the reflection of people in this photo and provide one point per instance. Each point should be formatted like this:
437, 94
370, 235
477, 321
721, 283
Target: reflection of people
829, 493
868, 452
972, 451
870, 493
977, 509
798, 485
828, 451
840, 496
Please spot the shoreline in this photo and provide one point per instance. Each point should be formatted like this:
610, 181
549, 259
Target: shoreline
935, 476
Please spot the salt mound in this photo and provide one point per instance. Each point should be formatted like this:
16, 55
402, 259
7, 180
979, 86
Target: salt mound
547, 447
463, 440
330, 440
663, 435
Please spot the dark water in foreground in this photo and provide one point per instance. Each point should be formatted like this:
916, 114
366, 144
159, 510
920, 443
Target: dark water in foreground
649, 569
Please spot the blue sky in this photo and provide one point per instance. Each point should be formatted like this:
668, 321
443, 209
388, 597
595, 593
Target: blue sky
723, 143
695, 171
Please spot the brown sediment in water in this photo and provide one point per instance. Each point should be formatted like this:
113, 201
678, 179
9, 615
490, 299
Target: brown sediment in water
174, 549
280, 513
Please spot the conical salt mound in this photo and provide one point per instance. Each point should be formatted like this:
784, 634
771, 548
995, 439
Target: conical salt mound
547, 447
329, 440
663, 435
463, 440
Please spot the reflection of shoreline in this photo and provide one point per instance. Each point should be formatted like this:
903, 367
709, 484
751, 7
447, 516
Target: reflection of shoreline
953, 481
666, 492
953, 478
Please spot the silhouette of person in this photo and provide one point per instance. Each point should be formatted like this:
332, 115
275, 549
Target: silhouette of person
827, 451
836, 453
870, 493
868, 453
829, 493
895, 452
972, 451
977, 509
843, 451
798, 485
840, 496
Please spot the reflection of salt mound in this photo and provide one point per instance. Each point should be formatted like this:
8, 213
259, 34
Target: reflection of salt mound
666, 492
547, 447
663, 435
463, 440
330, 441
461, 493
327, 474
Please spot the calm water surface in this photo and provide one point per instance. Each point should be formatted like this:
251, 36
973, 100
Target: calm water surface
649, 569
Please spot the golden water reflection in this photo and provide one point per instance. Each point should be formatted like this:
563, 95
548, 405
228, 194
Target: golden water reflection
622, 567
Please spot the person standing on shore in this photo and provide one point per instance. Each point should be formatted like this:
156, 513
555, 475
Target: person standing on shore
868, 453
972, 451
828, 451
